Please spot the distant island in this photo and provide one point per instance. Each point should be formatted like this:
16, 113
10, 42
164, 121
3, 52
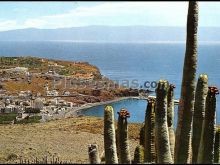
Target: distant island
110, 34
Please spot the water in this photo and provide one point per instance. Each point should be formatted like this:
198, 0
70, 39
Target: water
127, 61
136, 108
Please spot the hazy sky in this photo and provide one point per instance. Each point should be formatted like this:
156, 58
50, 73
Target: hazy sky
47, 15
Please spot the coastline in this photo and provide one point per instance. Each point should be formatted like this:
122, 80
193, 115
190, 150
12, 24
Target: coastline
77, 111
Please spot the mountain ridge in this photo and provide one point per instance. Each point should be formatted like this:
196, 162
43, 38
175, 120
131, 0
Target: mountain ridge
137, 33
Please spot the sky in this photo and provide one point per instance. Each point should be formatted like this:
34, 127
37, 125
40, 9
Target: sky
51, 15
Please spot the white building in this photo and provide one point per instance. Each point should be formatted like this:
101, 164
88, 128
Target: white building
52, 93
19, 69
66, 93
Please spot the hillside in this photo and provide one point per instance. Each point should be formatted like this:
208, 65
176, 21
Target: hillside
109, 34
67, 139
35, 64
82, 80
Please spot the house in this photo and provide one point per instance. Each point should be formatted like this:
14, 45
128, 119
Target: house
25, 93
9, 109
69, 104
66, 93
19, 69
52, 93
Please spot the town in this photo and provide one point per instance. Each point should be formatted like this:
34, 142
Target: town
38, 90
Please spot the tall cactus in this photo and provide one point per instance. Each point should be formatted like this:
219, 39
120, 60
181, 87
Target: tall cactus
122, 137
138, 155
109, 136
141, 135
186, 105
93, 154
149, 132
217, 145
206, 148
170, 118
199, 114
161, 128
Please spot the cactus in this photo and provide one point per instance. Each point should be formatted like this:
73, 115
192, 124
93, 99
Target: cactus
149, 132
122, 137
141, 135
170, 118
138, 155
161, 128
93, 154
206, 148
186, 105
217, 145
199, 114
109, 136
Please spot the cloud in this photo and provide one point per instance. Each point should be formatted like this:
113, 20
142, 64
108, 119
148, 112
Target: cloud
35, 23
114, 13
7, 24
107, 13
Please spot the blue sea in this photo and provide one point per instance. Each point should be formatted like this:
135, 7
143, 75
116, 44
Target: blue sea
125, 62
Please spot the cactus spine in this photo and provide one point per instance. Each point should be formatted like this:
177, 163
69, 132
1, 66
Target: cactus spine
186, 105
138, 155
206, 148
217, 145
170, 118
122, 137
93, 154
149, 132
161, 128
109, 136
199, 114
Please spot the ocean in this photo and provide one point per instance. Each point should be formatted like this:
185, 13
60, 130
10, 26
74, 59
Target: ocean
126, 62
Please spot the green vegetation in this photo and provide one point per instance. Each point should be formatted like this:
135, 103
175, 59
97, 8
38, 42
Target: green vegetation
69, 70
29, 62
33, 119
32, 110
7, 118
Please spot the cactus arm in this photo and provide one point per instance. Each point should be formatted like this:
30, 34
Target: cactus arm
199, 114
170, 118
206, 150
161, 127
122, 137
109, 136
93, 154
217, 145
138, 155
149, 132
